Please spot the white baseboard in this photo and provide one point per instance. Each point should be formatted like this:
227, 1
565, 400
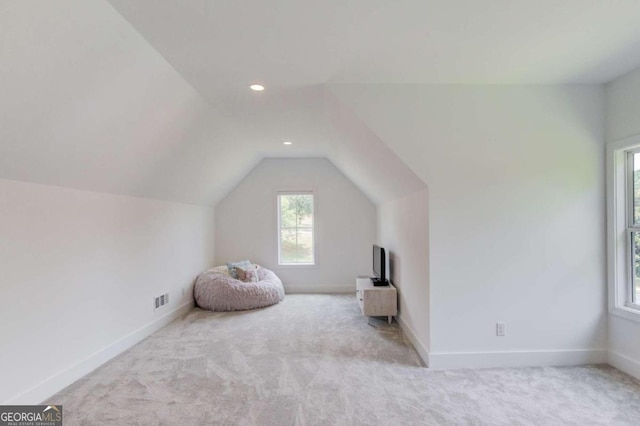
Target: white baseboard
446, 360
417, 344
59, 381
319, 289
624, 363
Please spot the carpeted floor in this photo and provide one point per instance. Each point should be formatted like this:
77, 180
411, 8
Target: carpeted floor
314, 360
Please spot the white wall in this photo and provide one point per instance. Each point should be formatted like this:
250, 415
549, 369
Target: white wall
516, 214
403, 232
623, 110
246, 226
622, 106
79, 271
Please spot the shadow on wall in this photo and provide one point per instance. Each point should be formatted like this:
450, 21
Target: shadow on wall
394, 264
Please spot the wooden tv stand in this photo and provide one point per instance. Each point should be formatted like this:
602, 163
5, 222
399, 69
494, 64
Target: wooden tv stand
379, 301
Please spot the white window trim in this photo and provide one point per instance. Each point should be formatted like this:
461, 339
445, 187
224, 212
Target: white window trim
315, 228
618, 266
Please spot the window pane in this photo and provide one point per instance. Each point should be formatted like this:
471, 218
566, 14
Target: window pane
305, 245
287, 211
636, 188
636, 267
288, 246
296, 228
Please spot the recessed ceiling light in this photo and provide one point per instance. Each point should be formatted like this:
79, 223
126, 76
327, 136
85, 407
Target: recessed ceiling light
257, 87
287, 143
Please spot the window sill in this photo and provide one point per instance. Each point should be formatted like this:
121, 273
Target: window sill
626, 312
297, 266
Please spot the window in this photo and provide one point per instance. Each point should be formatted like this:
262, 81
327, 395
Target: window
296, 239
623, 217
633, 224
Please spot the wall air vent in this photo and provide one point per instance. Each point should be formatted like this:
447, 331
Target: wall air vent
160, 301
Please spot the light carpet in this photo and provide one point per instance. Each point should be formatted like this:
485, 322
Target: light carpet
315, 360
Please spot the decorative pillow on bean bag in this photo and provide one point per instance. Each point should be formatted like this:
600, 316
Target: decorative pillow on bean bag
248, 274
233, 265
221, 269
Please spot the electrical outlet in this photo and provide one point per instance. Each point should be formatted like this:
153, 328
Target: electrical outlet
183, 291
501, 329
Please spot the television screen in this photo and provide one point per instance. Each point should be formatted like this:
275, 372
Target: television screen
379, 263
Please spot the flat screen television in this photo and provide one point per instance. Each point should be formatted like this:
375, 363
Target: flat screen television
379, 266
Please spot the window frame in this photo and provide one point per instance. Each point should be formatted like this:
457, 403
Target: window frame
314, 228
620, 228
632, 227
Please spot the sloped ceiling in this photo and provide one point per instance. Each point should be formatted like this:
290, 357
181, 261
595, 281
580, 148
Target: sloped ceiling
219, 46
84, 101
149, 97
206, 169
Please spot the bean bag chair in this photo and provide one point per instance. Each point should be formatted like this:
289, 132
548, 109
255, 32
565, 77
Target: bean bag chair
216, 290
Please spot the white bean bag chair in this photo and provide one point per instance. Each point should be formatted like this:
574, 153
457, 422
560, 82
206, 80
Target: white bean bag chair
215, 290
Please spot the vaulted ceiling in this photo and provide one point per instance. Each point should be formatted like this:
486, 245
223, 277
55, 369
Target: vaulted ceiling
218, 46
150, 97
